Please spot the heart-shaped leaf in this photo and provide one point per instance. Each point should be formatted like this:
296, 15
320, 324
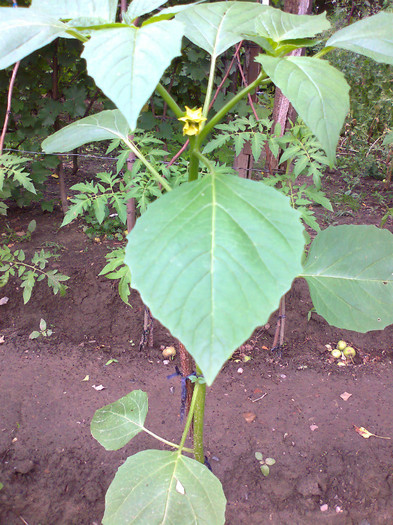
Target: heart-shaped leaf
279, 26
349, 270
318, 92
69, 9
127, 63
216, 27
141, 7
114, 425
109, 124
212, 259
372, 37
23, 31
158, 487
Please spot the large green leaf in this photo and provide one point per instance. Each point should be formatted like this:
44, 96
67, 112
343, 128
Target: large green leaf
141, 7
350, 274
372, 36
318, 92
212, 259
68, 9
127, 63
218, 26
23, 31
106, 125
279, 26
158, 487
114, 425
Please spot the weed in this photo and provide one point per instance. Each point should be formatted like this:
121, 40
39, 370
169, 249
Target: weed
265, 464
43, 331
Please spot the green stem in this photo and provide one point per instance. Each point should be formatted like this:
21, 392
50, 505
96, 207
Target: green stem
200, 396
77, 35
205, 160
170, 101
324, 51
193, 166
228, 106
180, 447
143, 159
189, 418
209, 90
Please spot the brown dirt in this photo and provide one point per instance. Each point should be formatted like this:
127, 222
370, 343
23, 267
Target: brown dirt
55, 473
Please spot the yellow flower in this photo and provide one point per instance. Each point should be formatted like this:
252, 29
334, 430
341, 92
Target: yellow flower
193, 120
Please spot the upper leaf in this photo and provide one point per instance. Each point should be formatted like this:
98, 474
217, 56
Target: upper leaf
227, 250
127, 63
106, 125
158, 487
372, 37
279, 26
114, 425
70, 9
23, 31
350, 274
317, 91
218, 26
141, 7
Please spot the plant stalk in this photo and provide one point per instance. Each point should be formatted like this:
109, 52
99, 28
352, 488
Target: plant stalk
228, 106
170, 101
205, 160
166, 442
189, 418
199, 412
209, 90
152, 170
193, 166
324, 51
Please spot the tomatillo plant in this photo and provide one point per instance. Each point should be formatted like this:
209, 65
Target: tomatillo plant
212, 257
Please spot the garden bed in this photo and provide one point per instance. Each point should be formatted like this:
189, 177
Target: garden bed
288, 407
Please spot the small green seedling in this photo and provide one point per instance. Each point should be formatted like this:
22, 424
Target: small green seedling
111, 361
264, 463
42, 331
309, 314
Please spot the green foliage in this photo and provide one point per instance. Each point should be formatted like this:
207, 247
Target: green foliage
162, 487
212, 257
43, 331
324, 92
239, 131
265, 464
223, 225
12, 176
117, 269
154, 486
349, 274
110, 190
303, 157
15, 264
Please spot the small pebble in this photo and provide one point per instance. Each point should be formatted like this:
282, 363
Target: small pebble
165, 362
240, 370
324, 507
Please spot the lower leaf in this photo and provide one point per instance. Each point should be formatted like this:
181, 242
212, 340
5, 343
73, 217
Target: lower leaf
158, 487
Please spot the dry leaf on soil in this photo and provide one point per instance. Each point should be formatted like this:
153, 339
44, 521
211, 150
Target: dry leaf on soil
249, 417
367, 434
345, 396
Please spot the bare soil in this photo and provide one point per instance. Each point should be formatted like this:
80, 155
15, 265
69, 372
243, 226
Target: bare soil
288, 407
